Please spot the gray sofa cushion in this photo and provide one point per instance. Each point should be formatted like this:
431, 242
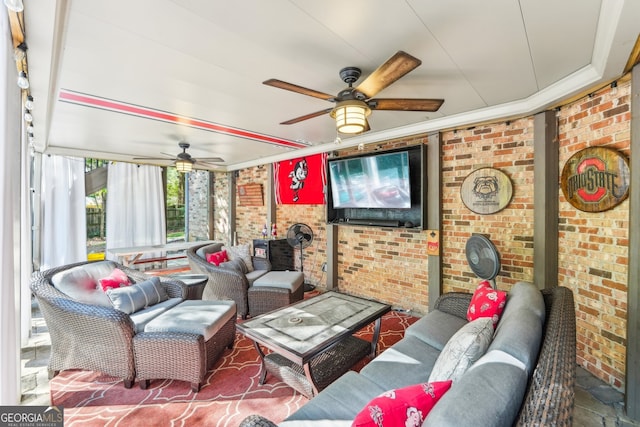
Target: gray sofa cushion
495, 391
342, 400
436, 328
519, 332
409, 361
525, 295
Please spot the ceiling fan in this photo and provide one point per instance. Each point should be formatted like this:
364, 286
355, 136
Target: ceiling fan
354, 104
183, 161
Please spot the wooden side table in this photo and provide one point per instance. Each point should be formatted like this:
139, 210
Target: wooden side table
195, 283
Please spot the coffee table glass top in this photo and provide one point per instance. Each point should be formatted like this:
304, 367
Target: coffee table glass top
305, 326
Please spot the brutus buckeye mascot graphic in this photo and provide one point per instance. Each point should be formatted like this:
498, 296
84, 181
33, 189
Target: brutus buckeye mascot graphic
298, 175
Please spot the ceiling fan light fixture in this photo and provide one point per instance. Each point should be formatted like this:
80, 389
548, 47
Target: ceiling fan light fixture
184, 165
351, 116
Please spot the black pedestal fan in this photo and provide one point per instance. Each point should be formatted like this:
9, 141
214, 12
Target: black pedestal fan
483, 258
300, 235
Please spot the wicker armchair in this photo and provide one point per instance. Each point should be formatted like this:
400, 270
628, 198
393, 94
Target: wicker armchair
226, 283
88, 336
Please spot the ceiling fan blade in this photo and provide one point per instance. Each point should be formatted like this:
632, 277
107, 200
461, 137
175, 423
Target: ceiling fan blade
297, 89
169, 157
209, 159
395, 67
405, 104
198, 165
307, 116
154, 158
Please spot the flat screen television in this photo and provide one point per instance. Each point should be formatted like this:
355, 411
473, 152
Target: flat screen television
373, 181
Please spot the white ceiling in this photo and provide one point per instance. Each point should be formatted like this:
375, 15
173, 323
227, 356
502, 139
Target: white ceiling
100, 69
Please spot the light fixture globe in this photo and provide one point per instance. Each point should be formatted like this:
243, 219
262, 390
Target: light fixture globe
351, 116
14, 5
23, 81
184, 165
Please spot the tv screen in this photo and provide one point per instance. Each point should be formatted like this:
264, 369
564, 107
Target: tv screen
375, 181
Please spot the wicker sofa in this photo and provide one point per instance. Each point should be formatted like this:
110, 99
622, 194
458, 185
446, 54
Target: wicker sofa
514, 383
86, 331
226, 283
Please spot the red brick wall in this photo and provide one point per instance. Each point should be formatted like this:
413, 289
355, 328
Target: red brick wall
593, 247
391, 265
316, 254
250, 219
509, 148
387, 264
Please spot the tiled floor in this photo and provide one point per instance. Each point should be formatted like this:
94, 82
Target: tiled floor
596, 405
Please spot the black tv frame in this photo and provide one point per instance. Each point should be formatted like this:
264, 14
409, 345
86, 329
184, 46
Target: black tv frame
413, 217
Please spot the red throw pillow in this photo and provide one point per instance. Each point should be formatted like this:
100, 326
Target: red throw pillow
217, 258
406, 406
116, 279
486, 302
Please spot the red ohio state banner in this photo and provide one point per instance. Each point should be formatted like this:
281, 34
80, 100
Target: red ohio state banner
301, 181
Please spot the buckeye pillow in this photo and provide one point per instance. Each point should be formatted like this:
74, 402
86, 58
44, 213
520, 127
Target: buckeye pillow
406, 406
486, 302
217, 258
116, 279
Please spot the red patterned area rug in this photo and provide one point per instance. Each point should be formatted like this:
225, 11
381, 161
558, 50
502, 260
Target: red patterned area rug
230, 392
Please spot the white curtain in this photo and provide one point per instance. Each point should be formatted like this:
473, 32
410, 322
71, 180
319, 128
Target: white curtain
64, 229
135, 207
10, 147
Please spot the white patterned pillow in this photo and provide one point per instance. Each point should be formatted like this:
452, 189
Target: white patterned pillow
242, 252
462, 350
132, 298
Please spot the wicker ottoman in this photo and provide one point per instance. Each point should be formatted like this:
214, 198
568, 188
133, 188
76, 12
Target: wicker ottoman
274, 290
184, 342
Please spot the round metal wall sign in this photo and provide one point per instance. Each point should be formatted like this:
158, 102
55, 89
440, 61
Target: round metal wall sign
486, 191
596, 179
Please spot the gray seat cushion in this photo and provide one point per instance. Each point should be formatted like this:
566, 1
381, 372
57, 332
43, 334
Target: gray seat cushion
342, 400
194, 317
142, 317
408, 362
291, 280
254, 275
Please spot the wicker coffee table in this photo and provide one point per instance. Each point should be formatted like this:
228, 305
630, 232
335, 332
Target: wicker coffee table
312, 342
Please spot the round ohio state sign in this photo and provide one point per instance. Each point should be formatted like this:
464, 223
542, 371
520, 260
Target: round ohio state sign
596, 179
